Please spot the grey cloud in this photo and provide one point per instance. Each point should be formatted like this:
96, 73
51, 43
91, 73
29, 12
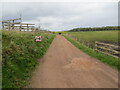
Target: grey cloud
64, 16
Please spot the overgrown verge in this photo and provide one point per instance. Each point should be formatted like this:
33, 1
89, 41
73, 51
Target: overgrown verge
19, 55
114, 62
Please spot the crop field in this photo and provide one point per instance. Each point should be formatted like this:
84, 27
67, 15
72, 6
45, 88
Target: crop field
97, 35
90, 37
19, 56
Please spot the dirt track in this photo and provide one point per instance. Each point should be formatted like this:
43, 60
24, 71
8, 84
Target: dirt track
65, 66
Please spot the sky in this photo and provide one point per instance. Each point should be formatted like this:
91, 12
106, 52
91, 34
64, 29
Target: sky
63, 15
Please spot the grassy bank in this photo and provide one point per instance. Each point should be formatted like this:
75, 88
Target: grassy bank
19, 56
113, 62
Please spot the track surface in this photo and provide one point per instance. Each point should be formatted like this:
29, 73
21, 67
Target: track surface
65, 66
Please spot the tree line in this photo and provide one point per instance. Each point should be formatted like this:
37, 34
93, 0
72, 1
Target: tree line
95, 29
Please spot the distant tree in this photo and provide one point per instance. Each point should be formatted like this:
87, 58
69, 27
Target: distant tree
96, 29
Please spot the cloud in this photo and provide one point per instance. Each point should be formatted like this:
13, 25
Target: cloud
63, 15
60, 0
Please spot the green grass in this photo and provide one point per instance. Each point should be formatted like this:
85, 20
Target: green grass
111, 36
19, 56
113, 62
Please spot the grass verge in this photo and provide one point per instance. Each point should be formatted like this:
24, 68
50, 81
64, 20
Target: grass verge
114, 62
19, 55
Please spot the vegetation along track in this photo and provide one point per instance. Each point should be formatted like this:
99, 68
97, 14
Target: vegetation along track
65, 66
19, 54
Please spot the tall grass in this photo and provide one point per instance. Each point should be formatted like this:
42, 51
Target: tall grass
19, 56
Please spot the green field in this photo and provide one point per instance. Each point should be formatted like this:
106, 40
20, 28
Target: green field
96, 35
92, 36
19, 56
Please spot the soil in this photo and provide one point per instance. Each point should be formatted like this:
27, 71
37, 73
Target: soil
65, 66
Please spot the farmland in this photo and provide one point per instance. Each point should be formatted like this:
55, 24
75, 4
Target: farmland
19, 56
108, 36
91, 37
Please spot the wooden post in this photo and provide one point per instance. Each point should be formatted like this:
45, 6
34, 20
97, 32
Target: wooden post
88, 43
96, 45
3, 25
9, 25
20, 27
20, 24
13, 25
27, 28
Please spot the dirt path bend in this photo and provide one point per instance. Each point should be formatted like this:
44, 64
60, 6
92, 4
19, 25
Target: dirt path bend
65, 66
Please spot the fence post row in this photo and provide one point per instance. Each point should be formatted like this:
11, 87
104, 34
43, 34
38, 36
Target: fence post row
12, 25
108, 49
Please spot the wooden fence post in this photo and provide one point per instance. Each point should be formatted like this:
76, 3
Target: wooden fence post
3, 26
9, 25
96, 45
13, 25
20, 26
